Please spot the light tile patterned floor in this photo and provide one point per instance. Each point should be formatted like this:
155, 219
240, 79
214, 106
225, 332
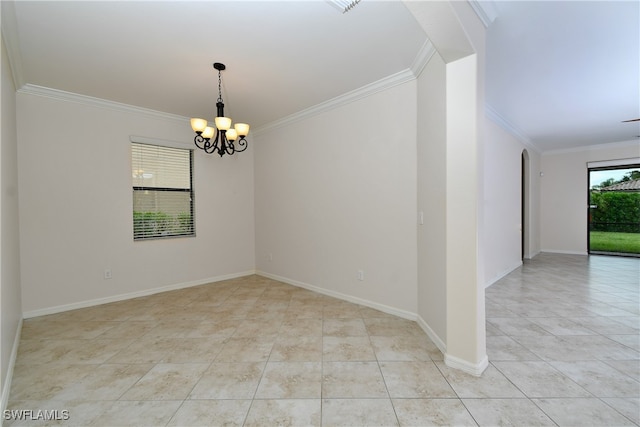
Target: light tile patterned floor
562, 338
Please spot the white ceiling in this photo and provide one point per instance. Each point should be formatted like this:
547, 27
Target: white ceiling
565, 74
561, 74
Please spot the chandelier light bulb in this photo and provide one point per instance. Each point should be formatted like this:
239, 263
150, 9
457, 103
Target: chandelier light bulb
242, 129
232, 135
208, 132
223, 123
198, 125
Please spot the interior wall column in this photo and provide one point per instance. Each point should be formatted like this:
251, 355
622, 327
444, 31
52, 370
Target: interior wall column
458, 36
466, 336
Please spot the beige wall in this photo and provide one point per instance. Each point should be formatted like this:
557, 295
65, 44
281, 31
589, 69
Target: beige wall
563, 190
76, 208
10, 292
432, 197
458, 36
466, 347
502, 206
336, 193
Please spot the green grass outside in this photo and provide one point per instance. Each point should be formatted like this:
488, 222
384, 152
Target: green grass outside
614, 242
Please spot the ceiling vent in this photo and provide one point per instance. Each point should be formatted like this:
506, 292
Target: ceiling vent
343, 6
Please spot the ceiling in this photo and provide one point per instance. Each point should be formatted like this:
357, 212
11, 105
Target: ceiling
559, 74
565, 74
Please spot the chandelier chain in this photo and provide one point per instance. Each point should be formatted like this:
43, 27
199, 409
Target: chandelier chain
219, 86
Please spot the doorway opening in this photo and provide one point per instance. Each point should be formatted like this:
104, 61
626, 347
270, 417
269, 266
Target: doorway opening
524, 205
614, 210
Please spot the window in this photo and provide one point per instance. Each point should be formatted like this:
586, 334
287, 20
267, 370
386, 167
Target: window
162, 191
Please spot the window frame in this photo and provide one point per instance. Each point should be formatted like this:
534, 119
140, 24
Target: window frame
191, 190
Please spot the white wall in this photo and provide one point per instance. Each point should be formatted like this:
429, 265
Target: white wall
336, 193
432, 197
76, 207
460, 43
464, 226
502, 205
10, 294
564, 196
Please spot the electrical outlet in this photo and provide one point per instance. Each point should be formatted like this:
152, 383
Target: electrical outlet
107, 273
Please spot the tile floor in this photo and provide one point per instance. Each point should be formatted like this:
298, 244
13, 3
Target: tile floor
562, 338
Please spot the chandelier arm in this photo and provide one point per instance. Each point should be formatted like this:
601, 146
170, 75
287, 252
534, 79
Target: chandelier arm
211, 148
242, 144
200, 141
231, 148
222, 148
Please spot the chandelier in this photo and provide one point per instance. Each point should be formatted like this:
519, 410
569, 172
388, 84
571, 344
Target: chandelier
225, 140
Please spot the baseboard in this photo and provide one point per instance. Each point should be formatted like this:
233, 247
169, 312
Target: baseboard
560, 251
442, 346
6, 388
620, 254
502, 274
345, 297
451, 361
122, 297
463, 365
533, 255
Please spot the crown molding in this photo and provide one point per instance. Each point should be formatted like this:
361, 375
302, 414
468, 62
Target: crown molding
62, 95
422, 58
605, 146
486, 11
495, 117
352, 96
12, 42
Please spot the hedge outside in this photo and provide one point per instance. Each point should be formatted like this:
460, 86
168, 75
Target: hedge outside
615, 211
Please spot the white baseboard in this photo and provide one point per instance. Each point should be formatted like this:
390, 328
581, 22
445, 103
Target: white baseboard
560, 251
463, 365
442, 346
502, 274
452, 361
130, 295
533, 255
345, 297
6, 388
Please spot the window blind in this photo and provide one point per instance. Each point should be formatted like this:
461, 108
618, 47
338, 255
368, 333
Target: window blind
163, 196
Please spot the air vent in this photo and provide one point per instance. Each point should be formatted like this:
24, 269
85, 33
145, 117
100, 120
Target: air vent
343, 6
